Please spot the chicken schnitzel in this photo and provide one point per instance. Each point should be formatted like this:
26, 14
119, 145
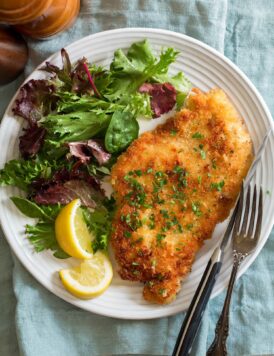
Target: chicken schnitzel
172, 186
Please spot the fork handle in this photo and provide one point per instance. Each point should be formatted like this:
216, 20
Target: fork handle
218, 346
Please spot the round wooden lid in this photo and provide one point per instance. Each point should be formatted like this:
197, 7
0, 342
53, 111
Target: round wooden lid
22, 11
58, 17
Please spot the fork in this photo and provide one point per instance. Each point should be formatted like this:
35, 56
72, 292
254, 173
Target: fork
245, 237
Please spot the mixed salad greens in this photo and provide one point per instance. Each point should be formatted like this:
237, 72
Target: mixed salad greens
78, 121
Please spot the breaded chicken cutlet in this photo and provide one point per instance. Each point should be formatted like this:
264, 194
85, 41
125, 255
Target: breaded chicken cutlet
172, 186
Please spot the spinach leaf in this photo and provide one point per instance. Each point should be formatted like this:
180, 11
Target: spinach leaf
41, 235
122, 130
29, 208
32, 210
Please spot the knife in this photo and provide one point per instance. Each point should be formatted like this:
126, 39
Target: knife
201, 297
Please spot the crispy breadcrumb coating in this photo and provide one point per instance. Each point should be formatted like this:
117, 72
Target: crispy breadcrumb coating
172, 186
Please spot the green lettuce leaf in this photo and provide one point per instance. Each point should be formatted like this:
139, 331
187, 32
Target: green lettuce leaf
21, 173
70, 102
42, 236
75, 126
129, 71
99, 224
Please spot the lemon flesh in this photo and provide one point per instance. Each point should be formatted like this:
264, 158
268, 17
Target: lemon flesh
72, 232
90, 279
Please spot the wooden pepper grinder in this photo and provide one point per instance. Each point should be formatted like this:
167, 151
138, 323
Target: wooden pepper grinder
13, 55
39, 18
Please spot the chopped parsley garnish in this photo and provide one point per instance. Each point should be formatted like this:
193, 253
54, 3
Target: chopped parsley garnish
199, 179
183, 181
137, 196
164, 213
173, 132
149, 170
165, 228
150, 284
162, 291
160, 238
201, 151
151, 225
159, 181
153, 263
178, 169
127, 234
198, 135
203, 154
196, 208
218, 186
138, 172
158, 199
214, 164
178, 195
181, 175
189, 227
180, 229
132, 220
160, 277
135, 264
159, 174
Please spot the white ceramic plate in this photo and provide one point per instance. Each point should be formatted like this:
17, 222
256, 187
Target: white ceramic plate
206, 68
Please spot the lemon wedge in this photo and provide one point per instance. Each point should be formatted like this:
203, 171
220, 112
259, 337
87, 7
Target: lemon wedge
72, 232
90, 279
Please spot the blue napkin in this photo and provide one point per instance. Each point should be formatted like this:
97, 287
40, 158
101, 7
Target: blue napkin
35, 322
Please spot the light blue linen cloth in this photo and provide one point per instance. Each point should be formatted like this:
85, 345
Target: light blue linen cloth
33, 322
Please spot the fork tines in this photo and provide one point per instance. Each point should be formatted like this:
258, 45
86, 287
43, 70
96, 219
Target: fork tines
249, 218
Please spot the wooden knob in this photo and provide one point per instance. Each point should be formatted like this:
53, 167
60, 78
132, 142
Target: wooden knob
58, 17
13, 55
22, 11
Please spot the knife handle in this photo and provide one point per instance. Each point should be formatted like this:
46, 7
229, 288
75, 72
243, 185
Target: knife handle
197, 307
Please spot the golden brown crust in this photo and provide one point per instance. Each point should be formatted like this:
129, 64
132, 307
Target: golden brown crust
169, 191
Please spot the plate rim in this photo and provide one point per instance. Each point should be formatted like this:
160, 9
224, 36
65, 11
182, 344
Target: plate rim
12, 242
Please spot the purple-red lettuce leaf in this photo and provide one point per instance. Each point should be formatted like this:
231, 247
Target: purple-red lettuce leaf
66, 185
31, 141
162, 97
36, 99
64, 193
76, 78
85, 150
